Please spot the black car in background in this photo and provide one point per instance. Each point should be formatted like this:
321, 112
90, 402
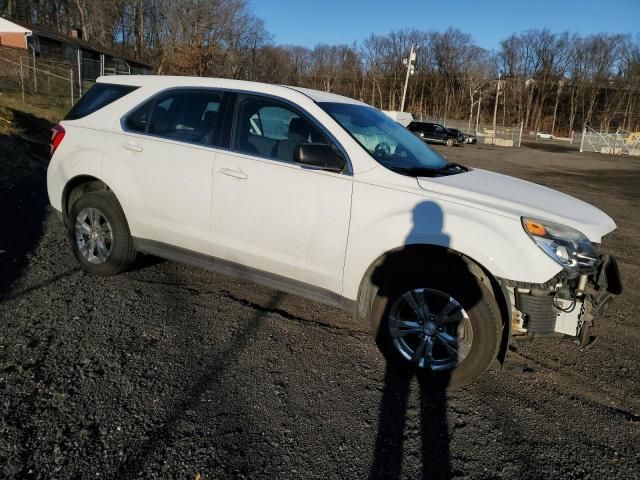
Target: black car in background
468, 138
435, 133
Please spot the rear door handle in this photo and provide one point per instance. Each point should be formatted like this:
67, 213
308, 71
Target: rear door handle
233, 173
135, 147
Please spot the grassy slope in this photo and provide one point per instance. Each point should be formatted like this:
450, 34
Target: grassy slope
36, 105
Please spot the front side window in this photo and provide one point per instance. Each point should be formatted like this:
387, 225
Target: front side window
389, 143
183, 115
272, 129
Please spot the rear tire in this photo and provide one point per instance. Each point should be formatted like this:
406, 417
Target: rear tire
99, 234
450, 142
448, 276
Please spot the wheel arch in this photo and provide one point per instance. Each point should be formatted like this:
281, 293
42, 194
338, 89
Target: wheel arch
76, 187
368, 289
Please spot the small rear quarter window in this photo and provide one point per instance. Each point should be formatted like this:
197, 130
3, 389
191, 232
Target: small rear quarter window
97, 97
138, 120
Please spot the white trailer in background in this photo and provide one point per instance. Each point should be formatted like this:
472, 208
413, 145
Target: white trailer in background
403, 118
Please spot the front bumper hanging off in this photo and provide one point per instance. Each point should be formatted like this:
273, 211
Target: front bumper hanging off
564, 305
605, 284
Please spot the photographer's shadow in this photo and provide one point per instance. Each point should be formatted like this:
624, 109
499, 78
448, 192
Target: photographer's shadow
410, 283
388, 453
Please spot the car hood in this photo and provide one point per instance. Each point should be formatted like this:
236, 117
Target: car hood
521, 198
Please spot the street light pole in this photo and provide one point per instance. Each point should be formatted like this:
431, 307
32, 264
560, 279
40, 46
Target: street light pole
410, 70
495, 107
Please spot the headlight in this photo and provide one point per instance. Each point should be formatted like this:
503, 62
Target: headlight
567, 246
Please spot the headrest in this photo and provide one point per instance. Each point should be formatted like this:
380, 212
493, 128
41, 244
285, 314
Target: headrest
160, 120
210, 117
300, 127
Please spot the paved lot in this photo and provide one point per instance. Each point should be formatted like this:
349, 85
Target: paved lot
167, 370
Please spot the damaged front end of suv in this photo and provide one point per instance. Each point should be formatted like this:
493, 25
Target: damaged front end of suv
567, 303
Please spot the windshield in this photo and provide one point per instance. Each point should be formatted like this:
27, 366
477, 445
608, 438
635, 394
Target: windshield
391, 144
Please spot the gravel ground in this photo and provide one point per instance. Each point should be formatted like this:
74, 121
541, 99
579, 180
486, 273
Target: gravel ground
170, 371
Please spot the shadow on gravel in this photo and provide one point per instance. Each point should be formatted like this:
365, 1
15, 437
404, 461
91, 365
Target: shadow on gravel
38, 286
146, 261
24, 156
388, 453
552, 147
423, 335
214, 366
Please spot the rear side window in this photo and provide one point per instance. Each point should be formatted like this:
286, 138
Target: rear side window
97, 97
183, 115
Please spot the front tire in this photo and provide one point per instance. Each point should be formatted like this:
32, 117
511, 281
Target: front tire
450, 142
99, 234
438, 320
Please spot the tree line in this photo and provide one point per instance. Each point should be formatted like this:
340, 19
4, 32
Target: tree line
546, 81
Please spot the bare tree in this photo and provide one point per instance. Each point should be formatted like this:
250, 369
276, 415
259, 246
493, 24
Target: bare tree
550, 81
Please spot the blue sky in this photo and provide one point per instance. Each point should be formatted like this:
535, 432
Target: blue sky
308, 22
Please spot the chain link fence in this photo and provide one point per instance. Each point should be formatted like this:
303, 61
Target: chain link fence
619, 143
53, 81
42, 84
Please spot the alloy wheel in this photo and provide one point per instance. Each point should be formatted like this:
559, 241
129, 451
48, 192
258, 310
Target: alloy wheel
431, 329
93, 235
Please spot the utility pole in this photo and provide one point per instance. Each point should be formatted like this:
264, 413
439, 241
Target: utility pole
555, 109
473, 105
410, 63
495, 107
478, 114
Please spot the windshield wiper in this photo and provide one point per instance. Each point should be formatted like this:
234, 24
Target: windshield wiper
453, 166
447, 169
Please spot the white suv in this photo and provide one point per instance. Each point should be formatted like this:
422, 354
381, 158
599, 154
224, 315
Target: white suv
328, 198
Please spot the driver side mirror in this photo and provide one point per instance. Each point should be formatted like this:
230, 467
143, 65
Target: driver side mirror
318, 155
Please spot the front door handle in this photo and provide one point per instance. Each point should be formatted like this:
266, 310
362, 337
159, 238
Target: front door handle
233, 173
135, 147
